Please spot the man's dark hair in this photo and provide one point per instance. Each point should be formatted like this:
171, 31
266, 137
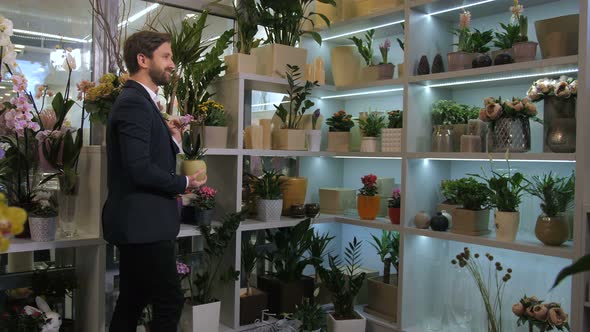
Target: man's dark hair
142, 42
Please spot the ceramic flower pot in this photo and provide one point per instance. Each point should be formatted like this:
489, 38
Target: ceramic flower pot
240, 63
386, 71
394, 215
422, 220
552, 231
460, 60
215, 137
190, 167
370, 73
338, 141
439, 222
294, 190
369, 144
200, 318
203, 217
269, 209
368, 207
506, 225
524, 51
471, 222
314, 140
272, 59
289, 139
346, 325
513, 134
42, 229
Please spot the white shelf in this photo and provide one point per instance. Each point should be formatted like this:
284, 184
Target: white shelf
390, 83
524, 72
222, 152
82, 240
369, 155
483, 156
267, 83
187, 230
392, 326
522, 244
254, 225
285, 153
379, 223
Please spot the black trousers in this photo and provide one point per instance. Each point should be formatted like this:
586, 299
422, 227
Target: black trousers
147, 275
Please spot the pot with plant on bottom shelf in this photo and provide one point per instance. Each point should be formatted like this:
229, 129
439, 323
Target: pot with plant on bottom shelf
383, 290
556, 195
252, 300
319, 249
344, 285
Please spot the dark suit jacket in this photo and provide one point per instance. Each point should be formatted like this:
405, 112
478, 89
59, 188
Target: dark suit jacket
142, 184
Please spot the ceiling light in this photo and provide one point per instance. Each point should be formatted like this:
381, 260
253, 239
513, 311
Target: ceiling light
362, 93
460, 7
49, 35
559, 72
138, 15
363, 30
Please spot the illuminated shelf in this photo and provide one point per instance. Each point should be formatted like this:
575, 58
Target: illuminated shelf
285, 153
81, 240
368, 155
254, 225
524, 242
449, 10
366, 90
378, 223
267, 83
524, 72
483, 156
391, 83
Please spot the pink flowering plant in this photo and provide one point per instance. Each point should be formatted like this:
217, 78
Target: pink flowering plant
396, 199
384, 49
369, 185
545, 316
496, 108
204, 198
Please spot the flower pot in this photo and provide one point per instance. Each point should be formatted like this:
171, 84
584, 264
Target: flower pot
42, 229
251, 306
253, 137
190, 167
457, 130
200, 318
293, 190
558, 36
337, 200
442, 139
314, 140
240, 63
422, 220
513, 134
439, 222
504, 51
559, 125
386, 71
385, 187
346, 325
401, 70
312, 210
369, 144
203, 217
524, 51
394, 215
346, 65
285, 296
391, 139
506, 225
289, 139
382, 298
447, 207
215, 137
471, 222
370, 73
269, 209
368, 206
552, 231
272, 59
297, 211
338, 141
460, 60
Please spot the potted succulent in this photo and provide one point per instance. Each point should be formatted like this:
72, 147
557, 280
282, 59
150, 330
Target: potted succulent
213, 121
252, 300
462, 58
504, 42
193, 154
559, 112
370, 73
345, 285
449, 120
286, 285
394, 207
314, 135
391, 136
383, 290
43, 217
509, 123
368, 201
291, 136
386, 69
339, 126
473, 217
556, 195
371, 129
247, 20
203, 203
284, 23
505, 193
267, 189
524, 50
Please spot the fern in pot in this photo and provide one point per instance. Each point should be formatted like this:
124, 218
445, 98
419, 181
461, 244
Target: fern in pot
383, 290
371, 129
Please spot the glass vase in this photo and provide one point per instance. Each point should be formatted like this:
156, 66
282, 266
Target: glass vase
68, 201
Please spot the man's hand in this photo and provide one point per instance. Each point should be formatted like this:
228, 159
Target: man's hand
175, 127
192, 179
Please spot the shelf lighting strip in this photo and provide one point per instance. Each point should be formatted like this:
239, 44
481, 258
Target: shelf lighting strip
365, 157
502, 159
494, 79
138, 15
363, 30
460, 7
361, 93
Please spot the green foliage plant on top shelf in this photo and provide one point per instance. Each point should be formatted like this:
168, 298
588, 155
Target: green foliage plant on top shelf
479, 41
292, 114
372, 125
366, 51
449, 112
340, 122
463, 32
506, 189
472, 195
504, 40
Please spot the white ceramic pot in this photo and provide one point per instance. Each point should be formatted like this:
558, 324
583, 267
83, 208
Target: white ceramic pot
349, 325
391, 139
43, 229
314, 140
369, 144
200, 318
506, 225
269, 209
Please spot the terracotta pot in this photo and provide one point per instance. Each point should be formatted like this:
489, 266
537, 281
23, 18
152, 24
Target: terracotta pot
272, 59
382, 298
506, 225
240, 63
386, 71
346, 65
338, 141
558, 36
190, 167
394, 215
524, 51
459, 60
552, 231
293, 190
368, 206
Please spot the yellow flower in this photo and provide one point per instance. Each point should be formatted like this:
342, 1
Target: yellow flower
107, 78
4, 243
12, 220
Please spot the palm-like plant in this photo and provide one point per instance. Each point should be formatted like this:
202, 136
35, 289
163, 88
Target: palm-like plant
317, 250
247, 18
372, 125
268, 185
192, 147
388, 250
249, 260
556, 193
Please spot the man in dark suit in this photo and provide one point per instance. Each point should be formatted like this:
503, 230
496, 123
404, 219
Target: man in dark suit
140, 215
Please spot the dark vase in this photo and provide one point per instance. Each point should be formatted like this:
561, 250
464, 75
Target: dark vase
439, 223
297, 211
203, 217
503, 59
482, 60
312, 210
437, 64
424, 66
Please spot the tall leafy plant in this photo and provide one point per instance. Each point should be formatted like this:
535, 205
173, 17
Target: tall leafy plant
249, 260
317, 250
479, 41
505, 189
292, 114
556, 193
366, 51
372, 125
268, 185
388, 250
247, 19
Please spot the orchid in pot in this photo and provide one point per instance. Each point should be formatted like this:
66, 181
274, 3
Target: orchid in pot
368, 201
339, 125
547, 316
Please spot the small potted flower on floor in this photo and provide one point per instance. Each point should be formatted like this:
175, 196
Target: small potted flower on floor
523, 49
394, 208
371, 129
368, 201
391, 137
339, 131
383, 290
370, 73
43, 217
386, 69
204, 203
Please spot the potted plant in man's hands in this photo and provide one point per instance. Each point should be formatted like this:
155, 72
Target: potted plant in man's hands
523, 49
383, 290
556, 194
339, 126
368, 201
473, 215
193, 154
371, 129
370, 73
247, 19
43, 216
345, 285
252, 300
267, 189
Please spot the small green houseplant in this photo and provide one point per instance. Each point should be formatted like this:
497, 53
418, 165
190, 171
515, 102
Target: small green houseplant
339, 125
383, 290
253, 301
267, 189
371, 129
366, 51
473, 215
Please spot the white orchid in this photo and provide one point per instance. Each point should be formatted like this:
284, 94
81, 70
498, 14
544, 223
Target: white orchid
5, 31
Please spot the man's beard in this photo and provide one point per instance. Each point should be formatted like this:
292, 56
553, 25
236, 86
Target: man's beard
158, 76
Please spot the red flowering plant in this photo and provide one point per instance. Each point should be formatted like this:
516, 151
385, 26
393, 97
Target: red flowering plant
16, 319
204, 198
396, 199
369, 185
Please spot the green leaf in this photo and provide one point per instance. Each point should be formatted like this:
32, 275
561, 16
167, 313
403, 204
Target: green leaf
581, 265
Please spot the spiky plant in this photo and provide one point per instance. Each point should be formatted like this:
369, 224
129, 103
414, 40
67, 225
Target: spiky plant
317, 250
388, 250
365, 51
192, 148
249, 260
